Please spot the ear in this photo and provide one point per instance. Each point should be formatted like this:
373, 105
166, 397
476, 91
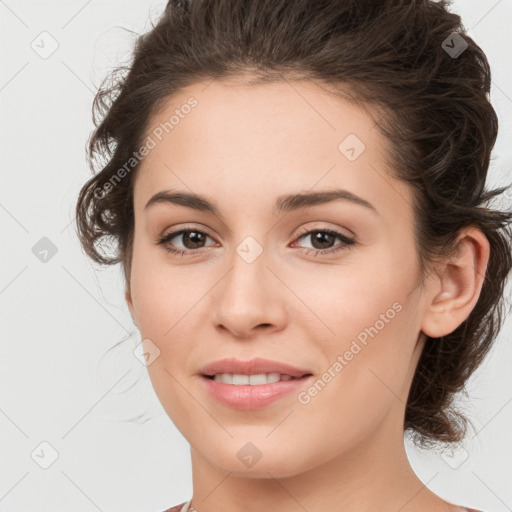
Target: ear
129, 302
457, 285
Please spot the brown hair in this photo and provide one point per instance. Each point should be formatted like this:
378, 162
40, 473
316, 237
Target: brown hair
399, 56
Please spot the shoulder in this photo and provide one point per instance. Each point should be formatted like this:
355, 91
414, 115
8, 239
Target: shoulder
176, 508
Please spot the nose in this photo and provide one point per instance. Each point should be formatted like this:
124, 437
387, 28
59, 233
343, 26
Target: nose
249, 299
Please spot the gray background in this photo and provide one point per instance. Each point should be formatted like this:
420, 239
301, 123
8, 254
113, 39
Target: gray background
59, 317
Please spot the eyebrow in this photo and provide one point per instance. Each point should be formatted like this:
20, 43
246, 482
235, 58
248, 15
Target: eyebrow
284, 204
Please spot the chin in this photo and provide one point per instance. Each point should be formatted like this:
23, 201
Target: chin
242, 461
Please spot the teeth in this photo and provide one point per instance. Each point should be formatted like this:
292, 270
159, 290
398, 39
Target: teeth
253, 380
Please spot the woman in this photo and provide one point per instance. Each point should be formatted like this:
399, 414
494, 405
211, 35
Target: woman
297, 195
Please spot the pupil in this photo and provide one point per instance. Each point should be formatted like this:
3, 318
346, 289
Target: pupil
319, 237
193, 235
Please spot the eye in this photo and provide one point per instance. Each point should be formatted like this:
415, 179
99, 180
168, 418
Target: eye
194, 239
190, 237
322, 240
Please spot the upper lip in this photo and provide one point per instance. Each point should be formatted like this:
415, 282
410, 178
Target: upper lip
252, 367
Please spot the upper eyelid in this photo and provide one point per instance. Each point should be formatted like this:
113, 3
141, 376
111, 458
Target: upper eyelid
308, 230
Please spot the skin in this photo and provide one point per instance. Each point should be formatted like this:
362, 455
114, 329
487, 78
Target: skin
243, 146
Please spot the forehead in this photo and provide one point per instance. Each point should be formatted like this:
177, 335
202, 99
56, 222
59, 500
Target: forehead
234, 139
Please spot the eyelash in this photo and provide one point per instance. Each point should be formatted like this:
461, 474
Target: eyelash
347, 242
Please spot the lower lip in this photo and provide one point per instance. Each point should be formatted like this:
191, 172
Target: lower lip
247, 397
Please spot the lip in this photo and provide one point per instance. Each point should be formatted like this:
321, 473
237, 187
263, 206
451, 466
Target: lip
252, 367
247, 397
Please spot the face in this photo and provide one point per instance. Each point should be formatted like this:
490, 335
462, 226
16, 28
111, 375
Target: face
330, 286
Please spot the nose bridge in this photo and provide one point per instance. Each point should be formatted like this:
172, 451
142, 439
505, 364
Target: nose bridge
251, 250
248, 279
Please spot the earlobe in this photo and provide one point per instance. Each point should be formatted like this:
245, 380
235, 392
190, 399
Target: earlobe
458, 285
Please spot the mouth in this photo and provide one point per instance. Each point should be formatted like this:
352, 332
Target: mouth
252, 384
251, 392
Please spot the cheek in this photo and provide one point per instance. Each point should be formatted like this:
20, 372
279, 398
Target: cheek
365, 326
344, 301
163, 296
